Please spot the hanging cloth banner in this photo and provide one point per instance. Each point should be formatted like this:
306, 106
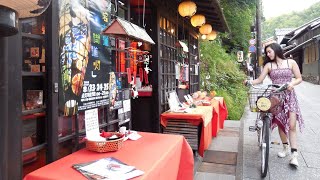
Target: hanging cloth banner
146, 78
112, 89
182, 73
141, 74
177, 68
129, 75
186, 72
134, 77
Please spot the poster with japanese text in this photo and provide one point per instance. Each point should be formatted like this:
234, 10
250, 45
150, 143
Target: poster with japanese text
85, 59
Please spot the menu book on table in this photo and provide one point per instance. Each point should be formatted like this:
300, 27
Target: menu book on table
108, 169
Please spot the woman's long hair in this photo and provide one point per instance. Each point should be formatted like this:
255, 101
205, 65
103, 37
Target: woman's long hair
277, 52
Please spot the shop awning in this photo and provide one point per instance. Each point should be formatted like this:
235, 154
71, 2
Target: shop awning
211, 9
27, 8
123, 28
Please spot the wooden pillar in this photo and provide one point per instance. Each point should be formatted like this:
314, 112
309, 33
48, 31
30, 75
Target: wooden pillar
3, 108
156, 78
52, 56
10, 95
14, 105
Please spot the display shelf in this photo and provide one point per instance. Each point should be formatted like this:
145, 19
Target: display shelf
35, 74
33, 111
124, 121
33, 116
113, 121
32, 36
34, 148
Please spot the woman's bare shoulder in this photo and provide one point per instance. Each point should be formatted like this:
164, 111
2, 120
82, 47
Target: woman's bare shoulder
292, 61
268, 65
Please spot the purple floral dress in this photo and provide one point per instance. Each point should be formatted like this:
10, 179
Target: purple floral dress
281, 76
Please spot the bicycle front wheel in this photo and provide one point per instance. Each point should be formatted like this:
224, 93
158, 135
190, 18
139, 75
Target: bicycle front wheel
265, 147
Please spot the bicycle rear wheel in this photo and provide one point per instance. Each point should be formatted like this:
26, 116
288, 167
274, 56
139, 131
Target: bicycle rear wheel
265, 147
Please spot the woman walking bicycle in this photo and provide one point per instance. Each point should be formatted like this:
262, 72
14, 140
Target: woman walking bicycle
280, 71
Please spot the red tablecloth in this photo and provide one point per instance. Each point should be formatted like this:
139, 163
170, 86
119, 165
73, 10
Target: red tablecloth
223, 111
201, 114
210, 127
160, 156
220, 113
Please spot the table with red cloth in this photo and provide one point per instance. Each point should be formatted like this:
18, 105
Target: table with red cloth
220, 114
160, 156
211, 119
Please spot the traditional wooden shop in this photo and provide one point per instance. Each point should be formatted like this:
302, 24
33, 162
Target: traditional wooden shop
119, 57
302, 45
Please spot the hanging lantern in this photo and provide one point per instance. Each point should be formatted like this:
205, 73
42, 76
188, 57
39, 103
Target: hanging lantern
205, 29
203, 36
198, 20
212, 36
187, 8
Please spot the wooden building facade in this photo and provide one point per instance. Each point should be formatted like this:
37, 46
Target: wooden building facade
55, 134
303, 45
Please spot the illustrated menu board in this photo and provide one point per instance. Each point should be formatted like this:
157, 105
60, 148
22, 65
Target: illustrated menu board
85, 60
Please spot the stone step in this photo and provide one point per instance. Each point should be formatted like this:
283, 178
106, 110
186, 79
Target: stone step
220, 157
217, 168
213, 176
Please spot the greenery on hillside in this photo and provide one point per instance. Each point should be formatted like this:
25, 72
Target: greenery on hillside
218, 58
239, 15
225, 77
291, 20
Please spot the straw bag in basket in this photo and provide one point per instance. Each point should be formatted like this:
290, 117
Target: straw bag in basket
276, 104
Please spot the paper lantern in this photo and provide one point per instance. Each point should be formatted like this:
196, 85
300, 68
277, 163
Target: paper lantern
187, 8
205, 29
203, 36
212, 36
198, 20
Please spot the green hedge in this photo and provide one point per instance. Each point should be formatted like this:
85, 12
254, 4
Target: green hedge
225, 77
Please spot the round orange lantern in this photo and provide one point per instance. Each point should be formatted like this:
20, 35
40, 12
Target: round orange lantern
212, 36
203, 36
205, 29
198, 20
187, 8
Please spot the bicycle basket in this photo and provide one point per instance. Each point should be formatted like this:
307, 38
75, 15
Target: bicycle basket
254, 94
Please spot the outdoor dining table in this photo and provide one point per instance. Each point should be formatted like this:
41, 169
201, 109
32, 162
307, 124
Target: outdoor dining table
220, 114
211, 118
160, 156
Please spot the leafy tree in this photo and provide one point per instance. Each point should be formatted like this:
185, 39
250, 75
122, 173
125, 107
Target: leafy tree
219, 69
240, 16
225, 77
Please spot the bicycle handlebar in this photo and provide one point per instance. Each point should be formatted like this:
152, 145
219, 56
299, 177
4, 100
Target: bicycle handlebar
280, 88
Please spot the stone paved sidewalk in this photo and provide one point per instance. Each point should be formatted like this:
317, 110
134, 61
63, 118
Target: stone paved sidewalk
220, 160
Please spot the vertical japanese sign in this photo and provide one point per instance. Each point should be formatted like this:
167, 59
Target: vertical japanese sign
84, 58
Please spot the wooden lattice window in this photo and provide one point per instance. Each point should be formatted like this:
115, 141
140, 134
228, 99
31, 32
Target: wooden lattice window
168, 57
194, 64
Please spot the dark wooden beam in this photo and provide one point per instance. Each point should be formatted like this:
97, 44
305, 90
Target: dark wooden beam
215, 3
14, 109
204, 4
4, 108
207, 13
52, 55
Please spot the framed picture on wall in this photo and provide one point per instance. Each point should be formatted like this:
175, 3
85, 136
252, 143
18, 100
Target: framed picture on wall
34, 52
34, 99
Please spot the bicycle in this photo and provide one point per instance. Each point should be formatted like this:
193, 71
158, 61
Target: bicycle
265, 101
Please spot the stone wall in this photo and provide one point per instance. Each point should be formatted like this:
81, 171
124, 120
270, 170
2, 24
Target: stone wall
311, 79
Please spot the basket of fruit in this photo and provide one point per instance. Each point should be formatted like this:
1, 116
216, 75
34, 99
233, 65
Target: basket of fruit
113, 142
